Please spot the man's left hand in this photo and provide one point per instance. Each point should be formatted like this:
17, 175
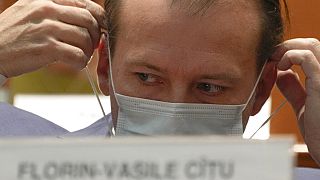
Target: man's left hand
304, 100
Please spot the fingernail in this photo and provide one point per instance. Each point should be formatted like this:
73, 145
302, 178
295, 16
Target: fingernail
297, 75
278, 45
102, 39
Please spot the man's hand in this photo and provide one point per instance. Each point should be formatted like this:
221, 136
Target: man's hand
35, 33
304, 100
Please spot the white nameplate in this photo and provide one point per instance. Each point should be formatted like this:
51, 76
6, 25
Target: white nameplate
185, 158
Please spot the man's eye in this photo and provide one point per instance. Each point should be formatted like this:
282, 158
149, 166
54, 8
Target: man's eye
148, 78
209, 88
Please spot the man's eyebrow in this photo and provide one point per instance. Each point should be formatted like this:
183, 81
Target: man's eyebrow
228, 76
148, 65
232, 77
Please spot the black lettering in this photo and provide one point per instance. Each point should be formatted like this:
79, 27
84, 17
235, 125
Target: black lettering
50, 171
86, 170
140, 170
192, 170
171, 170
212, 165
109, 169
226, 170
93, 170
124, 171
27, 170
154, 171
66, 170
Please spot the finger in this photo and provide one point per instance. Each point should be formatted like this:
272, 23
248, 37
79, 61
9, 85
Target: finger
75, 3
309, 65
96, 10
73, 35
80, 17
289, 84
71, 55
304, 58
297, 44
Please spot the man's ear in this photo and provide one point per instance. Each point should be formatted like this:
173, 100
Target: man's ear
103, 66
267, 81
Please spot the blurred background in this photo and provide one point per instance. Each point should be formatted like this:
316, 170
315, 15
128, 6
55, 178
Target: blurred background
64, 96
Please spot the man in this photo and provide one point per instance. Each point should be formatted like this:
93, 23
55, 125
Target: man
184, 52
198, 52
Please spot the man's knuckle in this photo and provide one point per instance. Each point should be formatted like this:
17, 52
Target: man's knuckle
79, 54
308, 54
82, 59
89, 19
50, 26
47, 8
313, 43
289, 55
87, 37
51, 44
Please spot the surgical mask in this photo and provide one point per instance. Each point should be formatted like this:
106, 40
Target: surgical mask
137, 116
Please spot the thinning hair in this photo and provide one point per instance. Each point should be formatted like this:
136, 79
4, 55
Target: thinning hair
271, 13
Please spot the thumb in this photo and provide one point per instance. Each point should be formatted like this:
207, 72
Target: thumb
289, 84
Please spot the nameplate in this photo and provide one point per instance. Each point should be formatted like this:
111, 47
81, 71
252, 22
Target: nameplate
171, 158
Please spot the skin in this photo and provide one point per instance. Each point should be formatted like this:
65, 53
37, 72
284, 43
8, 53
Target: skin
186, 48
187, 59
60, 30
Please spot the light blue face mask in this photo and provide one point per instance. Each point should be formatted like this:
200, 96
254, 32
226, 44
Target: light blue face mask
137, 116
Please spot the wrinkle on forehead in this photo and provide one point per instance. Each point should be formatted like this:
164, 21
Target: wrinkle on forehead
200, 7
184, 49
161, 49
194, 7
197, 62
144, 18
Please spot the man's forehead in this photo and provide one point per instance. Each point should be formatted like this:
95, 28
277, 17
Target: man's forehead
221, 27
195, 7
190, 7
151, 12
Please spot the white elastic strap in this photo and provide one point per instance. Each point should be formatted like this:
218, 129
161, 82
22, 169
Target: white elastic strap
3, 79
110, 68
269, 119
256, 84
95, 91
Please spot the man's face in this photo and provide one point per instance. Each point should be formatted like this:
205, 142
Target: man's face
164, 53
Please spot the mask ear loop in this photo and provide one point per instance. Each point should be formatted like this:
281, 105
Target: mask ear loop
110, 67
269, 119
95, 91
274, 112
111, 77
256, 84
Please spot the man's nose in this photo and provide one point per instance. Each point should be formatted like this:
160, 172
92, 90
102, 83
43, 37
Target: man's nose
180, 94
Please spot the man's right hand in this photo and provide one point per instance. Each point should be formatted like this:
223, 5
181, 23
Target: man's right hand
35, 33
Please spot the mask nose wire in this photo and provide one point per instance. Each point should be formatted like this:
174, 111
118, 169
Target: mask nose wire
110, 131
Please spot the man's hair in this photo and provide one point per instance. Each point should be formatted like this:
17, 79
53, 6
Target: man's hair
272, 22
